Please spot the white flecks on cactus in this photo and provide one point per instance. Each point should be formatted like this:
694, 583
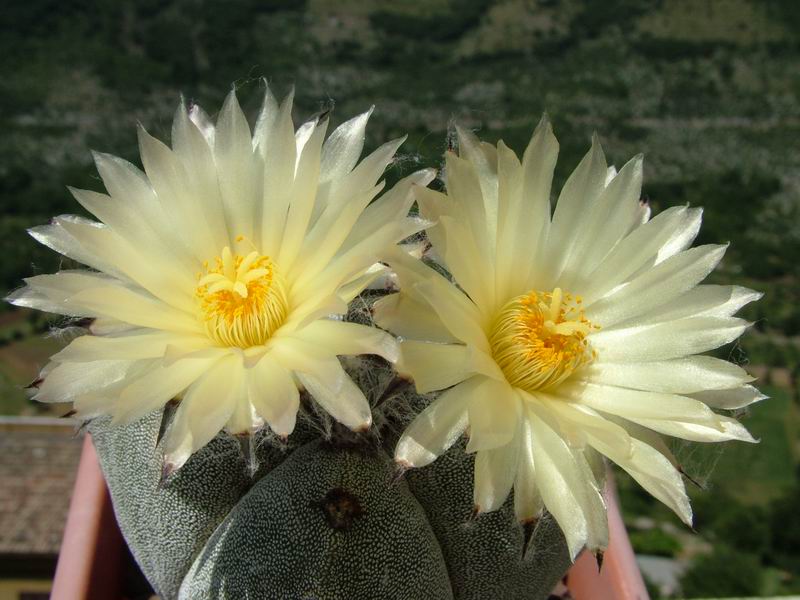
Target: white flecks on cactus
567, 335
215, 271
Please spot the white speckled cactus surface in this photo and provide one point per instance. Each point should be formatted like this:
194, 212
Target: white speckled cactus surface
320, 519
302, 386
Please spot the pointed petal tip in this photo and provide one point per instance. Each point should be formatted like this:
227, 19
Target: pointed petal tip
364, 426
288, 99
231, 101
35, 384
181, 111
460, 130
425, 177
688, 519
167, 471
173, 461
402, 464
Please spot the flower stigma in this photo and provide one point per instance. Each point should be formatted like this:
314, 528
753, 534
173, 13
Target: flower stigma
538, 339
242, 298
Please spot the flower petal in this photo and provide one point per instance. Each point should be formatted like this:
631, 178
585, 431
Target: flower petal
342, 338
702, 301
204, 410
408, 318
730, 399
161, 384
63, 382
342, 149
524, 211
608, 220
124, 304
495, 470
436, 428
582, 188
458, 314
392, 205
274, 395
676, 376
304, 193
635, 404
633, 253
528, 502
725, 429
192, 148
325, 379
494, 413
561, 484
240, 175
657, 286
132, 345
663, 341
280, 156
435, 366
655, 473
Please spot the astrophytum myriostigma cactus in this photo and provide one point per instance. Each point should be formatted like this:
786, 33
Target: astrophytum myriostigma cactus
210, 312
324, 517
255, 437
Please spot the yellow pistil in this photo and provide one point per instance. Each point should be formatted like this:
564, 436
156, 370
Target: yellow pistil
539, 339
242, 298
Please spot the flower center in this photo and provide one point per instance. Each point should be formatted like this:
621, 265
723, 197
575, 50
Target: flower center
242, 298
539, 339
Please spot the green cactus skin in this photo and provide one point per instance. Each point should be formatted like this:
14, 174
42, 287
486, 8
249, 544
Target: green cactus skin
166, 526
319, 521
324, 525
487, 555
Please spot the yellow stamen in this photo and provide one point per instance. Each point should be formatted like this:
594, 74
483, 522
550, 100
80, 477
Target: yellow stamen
242, 299
539, 339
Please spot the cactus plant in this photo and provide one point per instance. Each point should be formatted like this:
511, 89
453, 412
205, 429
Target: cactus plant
205, 366
324, 516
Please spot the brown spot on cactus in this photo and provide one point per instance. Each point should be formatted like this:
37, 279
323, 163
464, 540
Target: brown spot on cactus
340, 508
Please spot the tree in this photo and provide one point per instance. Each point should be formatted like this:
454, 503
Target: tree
724, 572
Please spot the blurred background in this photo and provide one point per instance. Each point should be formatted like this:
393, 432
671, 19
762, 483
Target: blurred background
707, 89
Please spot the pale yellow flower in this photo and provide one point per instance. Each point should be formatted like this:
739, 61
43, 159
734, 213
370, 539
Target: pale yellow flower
563, 338
217, 270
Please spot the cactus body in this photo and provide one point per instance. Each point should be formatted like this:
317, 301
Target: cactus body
319, 521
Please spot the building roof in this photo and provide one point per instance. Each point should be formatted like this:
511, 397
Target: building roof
38, 463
